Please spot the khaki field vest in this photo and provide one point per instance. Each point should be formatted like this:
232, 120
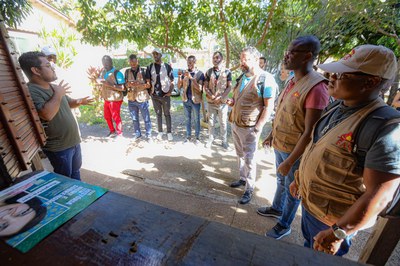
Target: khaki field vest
137, 94
289, 122
109, 94
328, 177
197, 96
217, 86
248, 105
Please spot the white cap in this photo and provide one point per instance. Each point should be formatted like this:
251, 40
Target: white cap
156, 50
369, 59
49, 50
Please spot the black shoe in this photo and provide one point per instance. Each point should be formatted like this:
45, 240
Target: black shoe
269, 212
278, 231
246, 198
238, 183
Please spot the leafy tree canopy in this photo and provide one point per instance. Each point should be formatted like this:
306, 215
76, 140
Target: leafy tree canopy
14, 12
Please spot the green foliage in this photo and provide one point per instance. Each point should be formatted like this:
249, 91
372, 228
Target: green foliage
120, 63
62, 41
15, 11
90, 115
174, 25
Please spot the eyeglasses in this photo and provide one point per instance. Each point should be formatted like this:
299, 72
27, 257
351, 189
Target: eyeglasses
47, 65
291, 52
355, 75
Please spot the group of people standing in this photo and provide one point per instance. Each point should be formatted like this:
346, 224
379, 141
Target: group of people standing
315, 142
156, 82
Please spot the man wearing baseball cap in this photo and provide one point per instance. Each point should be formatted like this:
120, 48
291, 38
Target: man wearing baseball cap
340, 196
50, 53
159, 75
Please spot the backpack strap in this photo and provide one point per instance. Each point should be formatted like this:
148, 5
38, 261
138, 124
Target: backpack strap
115, 75
371, 125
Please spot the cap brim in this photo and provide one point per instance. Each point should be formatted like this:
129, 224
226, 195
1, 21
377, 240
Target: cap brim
336, 67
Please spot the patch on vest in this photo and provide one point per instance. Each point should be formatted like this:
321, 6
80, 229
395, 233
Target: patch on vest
345, 141
296, 94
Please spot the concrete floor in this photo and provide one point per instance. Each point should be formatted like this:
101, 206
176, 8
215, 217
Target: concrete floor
188, 178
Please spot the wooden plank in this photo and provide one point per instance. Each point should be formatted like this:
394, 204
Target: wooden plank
382, 242
133, 232
5, 67
6, 84
37, 162
8, 89
6, 73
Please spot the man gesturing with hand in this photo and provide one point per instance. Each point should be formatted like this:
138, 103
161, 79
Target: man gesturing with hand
54, 108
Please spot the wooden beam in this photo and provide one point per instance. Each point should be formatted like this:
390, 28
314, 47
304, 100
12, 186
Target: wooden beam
382, 242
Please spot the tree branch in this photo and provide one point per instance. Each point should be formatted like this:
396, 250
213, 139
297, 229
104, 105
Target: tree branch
267, 23
169, 47
223, 22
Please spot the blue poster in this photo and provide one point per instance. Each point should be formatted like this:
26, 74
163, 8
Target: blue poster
32, 209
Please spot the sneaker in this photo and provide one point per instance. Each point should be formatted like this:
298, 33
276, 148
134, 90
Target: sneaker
186, 141
278, 231
269, 212
159, 135
170, 137
225, 145
112, 135
149, 139
246, 198
238, 183
197, 141
209, 143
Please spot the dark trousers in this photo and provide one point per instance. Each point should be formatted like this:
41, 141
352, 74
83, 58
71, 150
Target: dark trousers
66, 162
161, 104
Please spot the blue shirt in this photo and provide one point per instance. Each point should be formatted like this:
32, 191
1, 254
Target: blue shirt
119, 78
269, 85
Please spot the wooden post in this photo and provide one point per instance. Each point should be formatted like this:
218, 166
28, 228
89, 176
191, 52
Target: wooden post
382, 242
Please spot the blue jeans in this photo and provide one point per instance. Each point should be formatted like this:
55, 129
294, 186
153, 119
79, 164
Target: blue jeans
134, 108
188, 106
311, 226
283, 201
66, 162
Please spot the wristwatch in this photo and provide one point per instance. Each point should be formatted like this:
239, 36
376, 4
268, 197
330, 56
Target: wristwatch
338, 232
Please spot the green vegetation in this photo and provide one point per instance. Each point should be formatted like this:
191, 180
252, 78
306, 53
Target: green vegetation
14, 12
90, 116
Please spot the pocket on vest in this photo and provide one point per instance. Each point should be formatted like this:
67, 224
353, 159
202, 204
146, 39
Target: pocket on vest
287, 139
334, 166
328, 201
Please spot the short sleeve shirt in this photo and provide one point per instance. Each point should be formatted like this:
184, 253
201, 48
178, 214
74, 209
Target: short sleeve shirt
62, 131
119, 77
317, 97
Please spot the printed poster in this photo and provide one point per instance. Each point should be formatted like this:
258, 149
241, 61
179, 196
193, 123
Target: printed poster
34, 208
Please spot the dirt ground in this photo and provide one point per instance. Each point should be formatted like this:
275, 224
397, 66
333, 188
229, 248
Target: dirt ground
186, 177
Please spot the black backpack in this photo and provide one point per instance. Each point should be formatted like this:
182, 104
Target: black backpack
371, 125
